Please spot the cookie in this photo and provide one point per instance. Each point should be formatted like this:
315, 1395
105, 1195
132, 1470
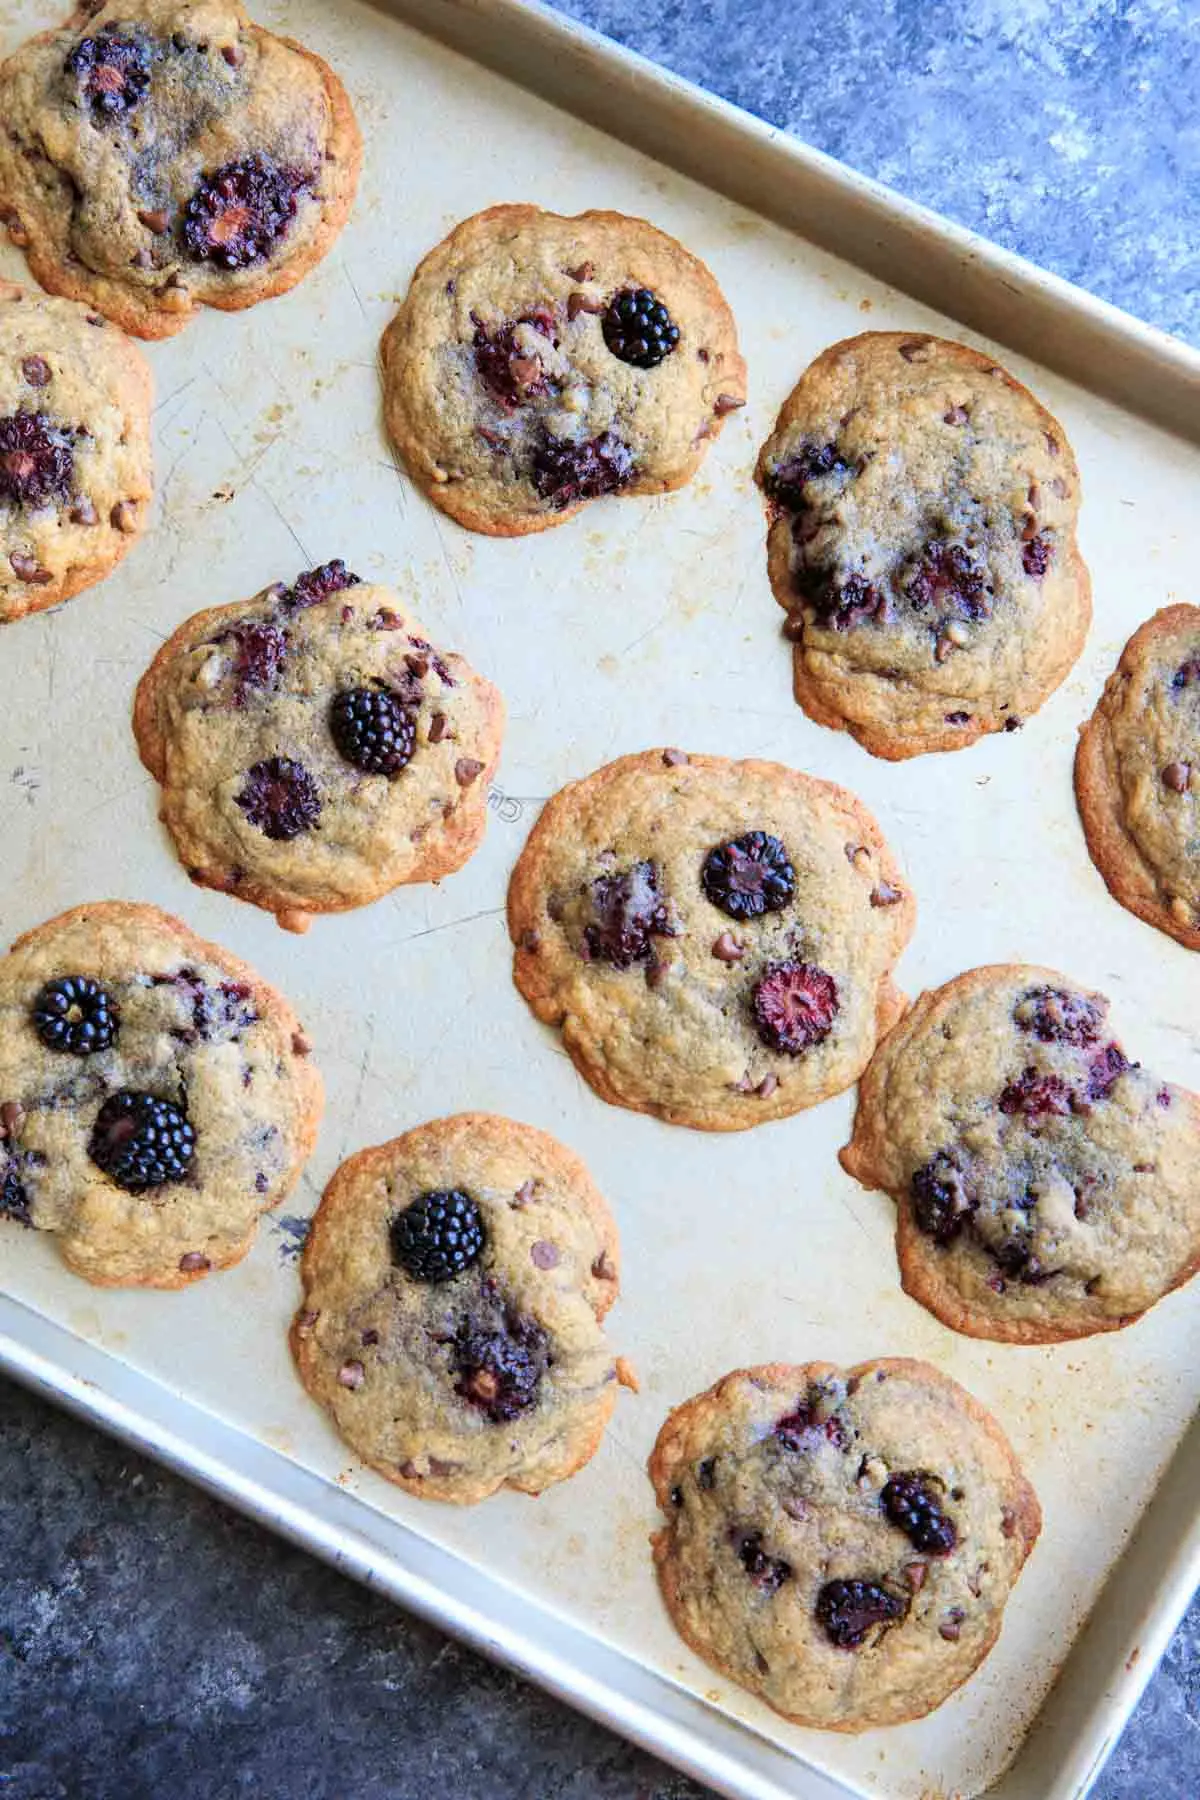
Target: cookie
314, 749
1137, 775
715, 938
455, 1281
921, 539
75, 460
539, 362
1047, 1188
841, 1542
155, 1096
164, 155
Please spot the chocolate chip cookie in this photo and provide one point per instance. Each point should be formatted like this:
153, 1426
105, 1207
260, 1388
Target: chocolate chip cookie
715, 938
155, 1096
539, 362
455, 1281
1046, 1186
75, 461
1137, 775
842, 1542
315, 749
163, 155
921, 539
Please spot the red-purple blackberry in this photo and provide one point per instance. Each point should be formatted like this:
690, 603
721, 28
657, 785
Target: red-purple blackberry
799, 1430
911, 1502
628, 911
949, 579
140, 1141
768, 1573
794, 1005
75, 1014
259, 654
638, 328
748, 876
500, 1366
438, 1236
786, 482
1187, 674
1036, 1095
1058, 1017
848, 1610
36, 462
842, 604
564, 472
318, 584
372, 730
513, 371
941, 1198
1104, 1068
1036, 557
113, 72
280, 797
239, 213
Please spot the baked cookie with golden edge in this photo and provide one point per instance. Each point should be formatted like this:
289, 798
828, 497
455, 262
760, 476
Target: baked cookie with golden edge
75, 460
716, 939
163, 155
1137, 775
455, 1281
539, 362
155, 1096
921, 539
841, 1542
1047, 1187
315, 750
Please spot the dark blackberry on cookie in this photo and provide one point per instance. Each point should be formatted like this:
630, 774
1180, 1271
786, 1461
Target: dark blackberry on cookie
438, 1236
638, 328
749, 875
75, 1014
239, 213
373, 730
141, 1141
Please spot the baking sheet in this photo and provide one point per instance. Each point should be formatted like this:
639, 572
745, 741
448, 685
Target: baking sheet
639, 622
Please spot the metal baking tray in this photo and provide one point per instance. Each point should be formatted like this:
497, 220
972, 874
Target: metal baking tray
639, 622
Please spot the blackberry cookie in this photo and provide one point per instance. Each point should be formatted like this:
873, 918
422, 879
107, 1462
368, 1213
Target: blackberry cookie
715, 938
921, 539
455, 1281
841, 1542
155, 1096
75, 462
1046, 1187
163, 155
314, 749
1137, 775
539, 362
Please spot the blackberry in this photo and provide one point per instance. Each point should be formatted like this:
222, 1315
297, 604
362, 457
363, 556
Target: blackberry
910, 1502
511, 368
564, 472
260, 652
140, 1141
280, 797
628, 911
638, 329
748, 876
800, 1430
238, 213
843, 604
1036, 557
1104, 1069
113, 72
1187, 674
1057, 1017
500, 1367
941, 1198
848, 1610
768, 1573
948, 577
75, 1014
14, 1201
36, 462
318, 584
438, 1236
794, 1006
1035, 1095
786, 482
373, 730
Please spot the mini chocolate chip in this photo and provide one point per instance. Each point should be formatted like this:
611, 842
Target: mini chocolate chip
524, 1195
305, 1321
437, 728
192, 1261
767, 1086
793, 627
943, 649
301, 1045
1177, 776
603, 1267
96, 320
951, 1626
727, 403
1051, 443
702, 354
83, 512
370, 1337
656, 972
913, 349
726, 948
156, 221
409, 1470
915, 1573
544, 1254
579, 303
26, 569
12, 1117
885, 894
958, 415
674, 758
36, 371
584, 272
123, 516
1013, 723
352, 1375
466, 770
232, 55
531, 940
416, 664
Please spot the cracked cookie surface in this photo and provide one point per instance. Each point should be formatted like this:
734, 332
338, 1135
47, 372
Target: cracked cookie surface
841, 1542
1046, 1187
163, 155
455, 1284
315, 750
540, 361
75, 458
155, 1096
1137, 775
715, 938
922, 508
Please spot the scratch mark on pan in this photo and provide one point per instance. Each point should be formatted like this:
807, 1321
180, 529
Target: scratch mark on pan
450, 570
271, 502
356, 1103
349, 277
489, 912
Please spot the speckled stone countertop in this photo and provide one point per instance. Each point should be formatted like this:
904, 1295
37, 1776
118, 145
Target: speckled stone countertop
152, 1644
